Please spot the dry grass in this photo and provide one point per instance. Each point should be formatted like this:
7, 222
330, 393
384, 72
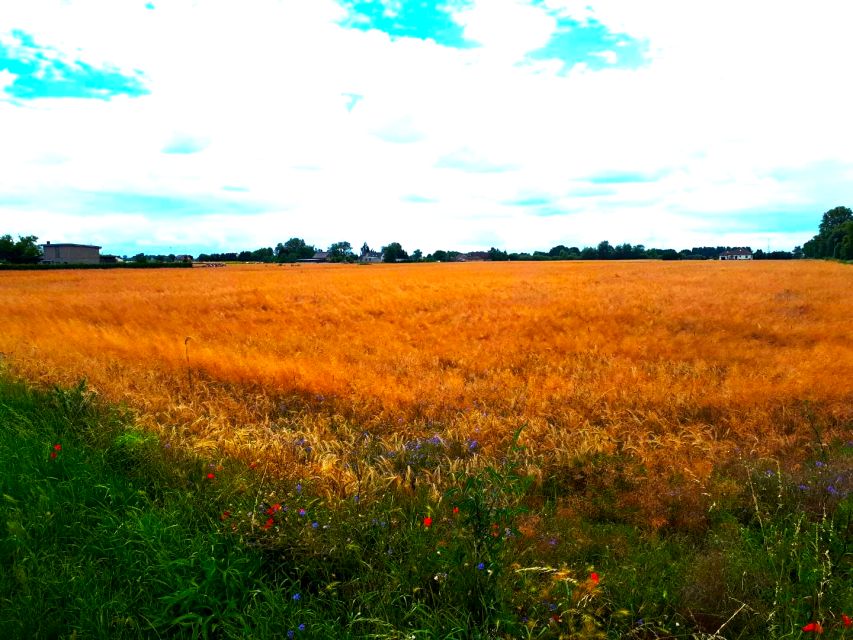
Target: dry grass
678, 365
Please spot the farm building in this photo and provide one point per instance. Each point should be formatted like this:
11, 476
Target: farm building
68, 253
736, 254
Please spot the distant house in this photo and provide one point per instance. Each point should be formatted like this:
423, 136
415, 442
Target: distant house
319, 256
68, 253
736, 254
184, 257
370, 256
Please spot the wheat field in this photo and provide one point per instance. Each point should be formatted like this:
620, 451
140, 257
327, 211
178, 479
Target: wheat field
682, 366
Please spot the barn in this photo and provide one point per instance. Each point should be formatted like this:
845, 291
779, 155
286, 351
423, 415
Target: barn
68, 253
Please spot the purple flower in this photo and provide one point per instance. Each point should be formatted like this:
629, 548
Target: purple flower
832, 490
302, 512
298, 487
819, 464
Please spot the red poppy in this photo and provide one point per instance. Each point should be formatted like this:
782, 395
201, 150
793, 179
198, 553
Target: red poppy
594, 577
846, 620
211, 476
427, 522
53, 454
273, 509
455, 511
225, 515
813, 626
57, 447
270, 522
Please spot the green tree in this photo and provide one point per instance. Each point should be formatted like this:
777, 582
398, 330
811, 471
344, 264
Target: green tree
833, 219
393, 252
835, 236
293, 250
605, 251
497, 254
24, 251
340, 252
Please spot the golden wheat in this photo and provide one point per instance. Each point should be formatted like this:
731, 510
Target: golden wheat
681, 365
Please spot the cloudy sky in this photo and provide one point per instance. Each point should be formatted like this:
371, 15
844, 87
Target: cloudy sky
185, 126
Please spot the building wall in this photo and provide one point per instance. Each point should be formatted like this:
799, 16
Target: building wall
71, 255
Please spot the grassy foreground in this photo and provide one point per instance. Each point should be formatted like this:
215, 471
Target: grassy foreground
107, 533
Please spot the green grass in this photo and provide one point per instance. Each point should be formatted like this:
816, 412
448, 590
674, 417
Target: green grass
119, 536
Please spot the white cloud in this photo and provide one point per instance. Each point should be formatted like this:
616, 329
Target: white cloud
732, 95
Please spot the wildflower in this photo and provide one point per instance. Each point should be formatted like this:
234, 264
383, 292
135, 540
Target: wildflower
269, 523
832, 490
455, 511
846, 620
53, 454
290, 633
297, 597
302, 512
481, 566
427, 522
819, 464
813, 626
298, 487
273, 509
314, 525
301, 627
594, 577
57, 447
225, 515
211, 476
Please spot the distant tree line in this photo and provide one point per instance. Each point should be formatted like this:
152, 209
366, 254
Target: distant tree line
296, 249
835, 236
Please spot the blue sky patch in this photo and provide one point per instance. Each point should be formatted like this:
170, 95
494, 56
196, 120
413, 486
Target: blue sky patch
423, 19
529, 201
416, 199
624, 177
42, 73
592, 44
184, 145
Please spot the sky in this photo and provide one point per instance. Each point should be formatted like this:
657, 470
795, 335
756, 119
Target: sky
188, 126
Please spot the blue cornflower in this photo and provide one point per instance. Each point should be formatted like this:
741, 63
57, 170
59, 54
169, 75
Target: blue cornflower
832, 490
819, 464
481, 566
298, 487
301, 627
290, 633
314, 525
297, 597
